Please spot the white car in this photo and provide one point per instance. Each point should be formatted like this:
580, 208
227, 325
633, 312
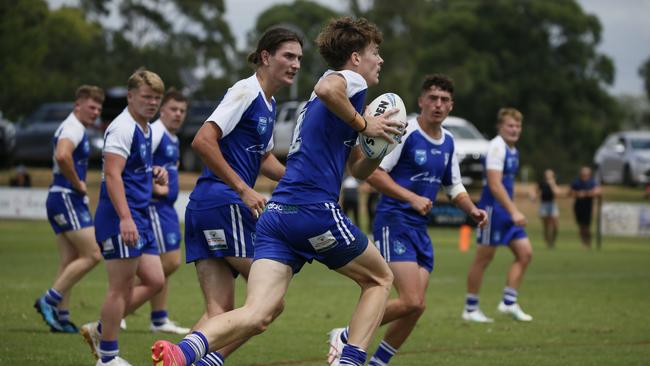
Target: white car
471, 148
624, 157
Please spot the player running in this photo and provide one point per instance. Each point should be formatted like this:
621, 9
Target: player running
303, 221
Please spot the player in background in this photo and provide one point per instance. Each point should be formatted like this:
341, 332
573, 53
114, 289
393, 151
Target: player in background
235, 145
303, 221
123, 229
506, 222
163, 216
67, 209
409, 179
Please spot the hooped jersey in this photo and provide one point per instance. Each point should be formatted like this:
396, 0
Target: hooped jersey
503, 158
246, 119
164, 145
125, 137
72, 129
422, 165
320, 148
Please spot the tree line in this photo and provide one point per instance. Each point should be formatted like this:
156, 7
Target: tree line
537, 56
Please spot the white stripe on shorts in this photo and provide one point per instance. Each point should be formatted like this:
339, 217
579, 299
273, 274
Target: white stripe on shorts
233, 220
386, 242
242, 239
157, 229
338, 224
485, 234
74, 220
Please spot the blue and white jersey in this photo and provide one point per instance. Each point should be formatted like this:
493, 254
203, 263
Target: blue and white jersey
422, 165
124, 137
164, 145
503, 158
72, 129
246, 120
320, 148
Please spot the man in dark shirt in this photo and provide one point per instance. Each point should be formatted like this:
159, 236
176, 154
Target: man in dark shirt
584, 189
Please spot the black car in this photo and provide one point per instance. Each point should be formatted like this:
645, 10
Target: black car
34, 135
197, 113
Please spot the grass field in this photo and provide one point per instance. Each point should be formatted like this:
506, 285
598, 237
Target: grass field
590, 307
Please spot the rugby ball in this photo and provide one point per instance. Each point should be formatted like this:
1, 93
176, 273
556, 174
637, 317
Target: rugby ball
377, 147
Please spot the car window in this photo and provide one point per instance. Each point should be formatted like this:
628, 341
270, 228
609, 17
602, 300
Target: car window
640, 144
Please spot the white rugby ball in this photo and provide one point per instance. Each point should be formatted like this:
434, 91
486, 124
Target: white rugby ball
377, 147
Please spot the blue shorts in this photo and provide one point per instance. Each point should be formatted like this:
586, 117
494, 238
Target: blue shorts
107, 233
67, 211
295, 234
165, 226
217, 232
402, 243
500, 229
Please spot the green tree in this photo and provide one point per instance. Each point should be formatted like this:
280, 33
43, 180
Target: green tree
306, 18
44, 55
539, 57
644, 72
174, 38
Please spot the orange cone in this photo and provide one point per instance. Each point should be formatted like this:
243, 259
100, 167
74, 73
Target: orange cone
465, 236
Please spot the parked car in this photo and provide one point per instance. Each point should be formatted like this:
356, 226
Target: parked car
7, 140
34, 135
285, 123
197, 112
624, 157
471, 148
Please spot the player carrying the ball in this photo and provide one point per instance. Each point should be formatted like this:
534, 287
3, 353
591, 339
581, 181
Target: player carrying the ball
303, 220
409, 179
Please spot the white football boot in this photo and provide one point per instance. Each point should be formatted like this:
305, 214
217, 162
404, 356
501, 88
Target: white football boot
476, 316
515, 311
336, 346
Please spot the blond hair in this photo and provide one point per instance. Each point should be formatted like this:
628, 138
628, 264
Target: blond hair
143, 76
509, 112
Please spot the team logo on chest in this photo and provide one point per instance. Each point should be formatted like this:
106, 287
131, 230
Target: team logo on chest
170, 151
420, 156
262, 124
86, 147
143, 151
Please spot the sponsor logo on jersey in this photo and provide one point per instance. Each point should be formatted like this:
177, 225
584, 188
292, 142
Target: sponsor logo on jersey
424, 177
60, 220
172, 238
143, 151
86, 147
262, 123
323, 242
216, 239
398, 247
85, 216
420, 156
170, 151
286, 209
259, 149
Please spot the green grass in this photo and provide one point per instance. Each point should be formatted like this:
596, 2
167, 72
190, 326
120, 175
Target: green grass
590, 308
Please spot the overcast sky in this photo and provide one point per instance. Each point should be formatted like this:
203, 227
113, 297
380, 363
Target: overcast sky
625, 37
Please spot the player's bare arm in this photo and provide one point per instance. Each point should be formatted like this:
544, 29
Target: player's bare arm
494, 181
206, 144
271, 167
464, 202
332, 91
63, 157
382, 182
